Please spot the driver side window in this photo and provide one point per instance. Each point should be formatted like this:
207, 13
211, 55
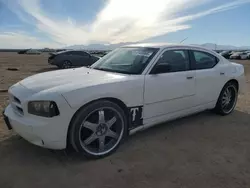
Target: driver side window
172, 61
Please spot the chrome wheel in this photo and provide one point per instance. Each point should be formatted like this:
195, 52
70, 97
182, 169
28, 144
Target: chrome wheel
229, 99
101, 131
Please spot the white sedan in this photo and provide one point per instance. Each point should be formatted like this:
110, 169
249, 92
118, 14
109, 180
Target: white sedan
130, 89
239, 55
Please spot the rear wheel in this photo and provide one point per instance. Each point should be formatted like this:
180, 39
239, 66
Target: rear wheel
66, 64
227, 99
98, 129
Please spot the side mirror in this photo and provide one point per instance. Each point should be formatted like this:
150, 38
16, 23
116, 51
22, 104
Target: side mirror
161, 68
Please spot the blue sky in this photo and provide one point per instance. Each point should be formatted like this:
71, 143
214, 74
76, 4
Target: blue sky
60, 23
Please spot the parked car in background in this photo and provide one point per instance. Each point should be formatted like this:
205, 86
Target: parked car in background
23, 51
248, 54
239, 55
72, 58
130, 89
33, 52
29, 51
226, 54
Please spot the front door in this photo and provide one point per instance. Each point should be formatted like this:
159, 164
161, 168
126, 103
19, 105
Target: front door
170, 86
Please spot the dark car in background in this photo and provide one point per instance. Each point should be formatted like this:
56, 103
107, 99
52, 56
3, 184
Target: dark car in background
23, 51
72, 58
30, 52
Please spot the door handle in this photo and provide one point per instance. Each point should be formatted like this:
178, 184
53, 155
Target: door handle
222, 73
190, 77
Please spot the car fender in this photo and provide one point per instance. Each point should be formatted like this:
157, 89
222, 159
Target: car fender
130, 92
237, 72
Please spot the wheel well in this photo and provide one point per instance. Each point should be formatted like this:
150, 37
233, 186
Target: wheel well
234, 82
114, 100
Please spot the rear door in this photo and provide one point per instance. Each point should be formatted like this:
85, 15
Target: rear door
210, 76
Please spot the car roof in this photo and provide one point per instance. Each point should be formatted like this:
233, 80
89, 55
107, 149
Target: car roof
165, 45
64, 51
74, 51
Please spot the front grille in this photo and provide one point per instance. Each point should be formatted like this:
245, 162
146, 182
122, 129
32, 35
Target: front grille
16, 104
20, 110
16, 100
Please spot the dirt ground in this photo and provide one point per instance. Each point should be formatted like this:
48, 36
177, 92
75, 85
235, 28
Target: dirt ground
201, 151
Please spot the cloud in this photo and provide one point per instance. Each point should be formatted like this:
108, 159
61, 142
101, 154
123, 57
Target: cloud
118, 21
22, 40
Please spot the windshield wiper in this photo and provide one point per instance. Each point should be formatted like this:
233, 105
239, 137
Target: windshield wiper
111, 70
103, 69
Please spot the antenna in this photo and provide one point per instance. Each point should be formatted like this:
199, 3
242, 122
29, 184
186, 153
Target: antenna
183, 40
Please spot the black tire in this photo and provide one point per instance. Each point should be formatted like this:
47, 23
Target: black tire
223, 109
66, 64
76, 134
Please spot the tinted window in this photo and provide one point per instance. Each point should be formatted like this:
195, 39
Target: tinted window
172, 61
66, 53
83, 54
78, 53
204, 60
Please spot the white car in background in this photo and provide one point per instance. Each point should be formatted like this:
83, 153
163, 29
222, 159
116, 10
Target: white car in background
239, 55
33, 52
130, 89
248, 54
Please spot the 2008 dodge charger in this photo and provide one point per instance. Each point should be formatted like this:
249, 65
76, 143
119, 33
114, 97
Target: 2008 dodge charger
130, 89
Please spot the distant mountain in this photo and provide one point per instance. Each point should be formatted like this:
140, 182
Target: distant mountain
211, 46
224, 47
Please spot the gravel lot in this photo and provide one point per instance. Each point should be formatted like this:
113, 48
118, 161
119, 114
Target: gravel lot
201, 151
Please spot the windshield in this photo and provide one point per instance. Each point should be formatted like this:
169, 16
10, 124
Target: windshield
127, 60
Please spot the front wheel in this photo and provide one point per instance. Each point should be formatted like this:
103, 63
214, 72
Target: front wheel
227, 99
98, 129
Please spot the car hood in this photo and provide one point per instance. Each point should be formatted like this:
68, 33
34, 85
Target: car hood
69, 79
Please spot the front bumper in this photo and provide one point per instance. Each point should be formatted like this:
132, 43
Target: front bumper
48, 133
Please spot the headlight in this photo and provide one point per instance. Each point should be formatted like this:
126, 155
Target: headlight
43, 108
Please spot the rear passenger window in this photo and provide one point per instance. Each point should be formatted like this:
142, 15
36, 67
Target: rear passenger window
204, 60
